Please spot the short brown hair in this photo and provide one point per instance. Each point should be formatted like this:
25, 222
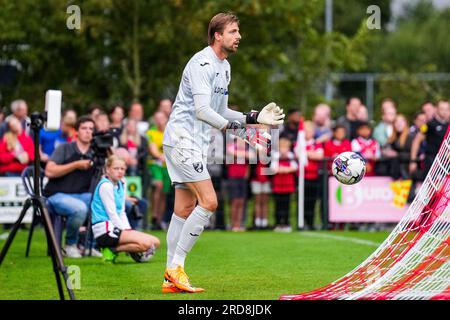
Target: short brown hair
82, 120
218, 23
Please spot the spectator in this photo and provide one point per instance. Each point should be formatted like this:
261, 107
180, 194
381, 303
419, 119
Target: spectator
363, 114
261, 188
284, 167
70, 170
368, 147
433, 133
420, 121
381, 133
2, 115
109, 221
136, 113
313, 184
116, 117
102, 122
19, 109
216, 169
429, 109
350, 119
322, 122
93, 110
16, 149
157, 168
336, 145
400, 142
137, 147
238, 172
385, 128
49, 140
290, 130
165, 106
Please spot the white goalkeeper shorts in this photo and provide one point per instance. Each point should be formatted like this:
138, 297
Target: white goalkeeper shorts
185, 165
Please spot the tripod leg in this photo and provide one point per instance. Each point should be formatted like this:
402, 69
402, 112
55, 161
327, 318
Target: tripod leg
14, 230
55, 252
34, 222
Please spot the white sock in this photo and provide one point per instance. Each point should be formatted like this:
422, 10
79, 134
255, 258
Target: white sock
173, 235
258, 222
192, 229
264, 223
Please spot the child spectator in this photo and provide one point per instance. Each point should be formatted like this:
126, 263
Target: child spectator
16, 149
110, 225
238, 172
315, 154
284, 180
368, 147
336, 145
260, 187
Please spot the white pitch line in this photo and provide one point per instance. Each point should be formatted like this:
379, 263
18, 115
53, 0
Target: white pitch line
339, 238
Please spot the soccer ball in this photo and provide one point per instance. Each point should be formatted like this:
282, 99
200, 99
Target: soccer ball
349, 167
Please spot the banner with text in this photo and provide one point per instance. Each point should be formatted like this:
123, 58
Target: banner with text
12, 198
374, 199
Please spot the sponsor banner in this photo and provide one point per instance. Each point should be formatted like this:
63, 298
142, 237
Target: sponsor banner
374, 199
12, 198
134, 186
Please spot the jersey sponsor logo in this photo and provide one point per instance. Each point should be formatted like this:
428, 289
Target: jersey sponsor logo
194, 234
198, 166
203, 64
220, 90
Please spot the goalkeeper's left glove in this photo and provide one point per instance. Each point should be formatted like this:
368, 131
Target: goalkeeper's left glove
269, 115
257, 139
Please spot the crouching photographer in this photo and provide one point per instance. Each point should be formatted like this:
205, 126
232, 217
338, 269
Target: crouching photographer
110, 225
70, 170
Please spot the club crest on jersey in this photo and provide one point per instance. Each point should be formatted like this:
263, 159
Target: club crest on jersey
198, 166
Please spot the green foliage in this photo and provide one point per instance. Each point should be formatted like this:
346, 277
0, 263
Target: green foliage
419, 44
137, 50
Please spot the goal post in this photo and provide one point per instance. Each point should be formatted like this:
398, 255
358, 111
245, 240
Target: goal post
414, 261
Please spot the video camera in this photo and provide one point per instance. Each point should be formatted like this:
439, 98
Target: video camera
101, 144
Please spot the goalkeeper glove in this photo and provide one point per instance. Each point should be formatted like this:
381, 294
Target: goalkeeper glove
270, 115
257, 139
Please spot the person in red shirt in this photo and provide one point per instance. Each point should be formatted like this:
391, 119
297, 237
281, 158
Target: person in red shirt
368, 147
238, 172
261, 188
336, 145
284, 165
315, 155
16, 150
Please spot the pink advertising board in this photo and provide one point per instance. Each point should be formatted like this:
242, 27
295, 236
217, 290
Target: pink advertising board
371, 200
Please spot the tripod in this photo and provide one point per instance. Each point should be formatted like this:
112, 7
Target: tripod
37, 202
95, 180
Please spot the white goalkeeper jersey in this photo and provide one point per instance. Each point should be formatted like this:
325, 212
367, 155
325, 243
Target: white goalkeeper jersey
204, 74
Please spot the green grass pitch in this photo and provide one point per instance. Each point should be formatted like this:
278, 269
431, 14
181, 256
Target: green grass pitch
248, 266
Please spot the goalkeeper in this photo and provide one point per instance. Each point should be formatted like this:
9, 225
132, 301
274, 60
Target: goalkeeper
202, 103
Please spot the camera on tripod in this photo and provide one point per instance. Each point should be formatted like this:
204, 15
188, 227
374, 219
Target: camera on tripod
101, 144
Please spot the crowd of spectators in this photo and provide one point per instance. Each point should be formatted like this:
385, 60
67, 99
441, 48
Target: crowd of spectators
396, 146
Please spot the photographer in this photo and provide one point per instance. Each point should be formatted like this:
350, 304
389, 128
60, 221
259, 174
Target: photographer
70, 170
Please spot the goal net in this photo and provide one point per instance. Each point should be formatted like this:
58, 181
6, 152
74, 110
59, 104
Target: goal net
414, 261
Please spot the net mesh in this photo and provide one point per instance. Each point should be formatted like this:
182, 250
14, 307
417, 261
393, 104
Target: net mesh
413, 262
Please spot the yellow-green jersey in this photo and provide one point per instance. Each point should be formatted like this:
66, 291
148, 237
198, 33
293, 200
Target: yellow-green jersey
155, 136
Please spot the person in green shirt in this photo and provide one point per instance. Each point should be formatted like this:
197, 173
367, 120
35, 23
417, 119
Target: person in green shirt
158, 170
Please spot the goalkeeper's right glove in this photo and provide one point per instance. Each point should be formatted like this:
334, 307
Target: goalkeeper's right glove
269, 115
257, 139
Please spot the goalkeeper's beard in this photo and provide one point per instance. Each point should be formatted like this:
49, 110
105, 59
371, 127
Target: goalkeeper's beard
229, 49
